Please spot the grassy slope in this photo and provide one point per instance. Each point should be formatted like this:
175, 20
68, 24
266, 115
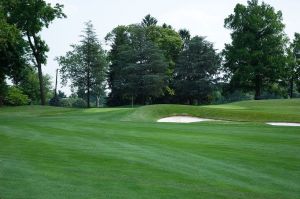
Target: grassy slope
255, 111
50, 152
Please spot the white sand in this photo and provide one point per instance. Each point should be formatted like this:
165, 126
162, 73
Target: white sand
283, 124
183, 119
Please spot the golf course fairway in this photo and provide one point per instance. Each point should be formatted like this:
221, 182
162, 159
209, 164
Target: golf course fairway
54, 153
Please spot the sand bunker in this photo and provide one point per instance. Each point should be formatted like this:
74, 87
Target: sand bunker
283, 124
183, 119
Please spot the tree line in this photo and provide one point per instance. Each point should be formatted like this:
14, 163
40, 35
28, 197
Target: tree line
150, 63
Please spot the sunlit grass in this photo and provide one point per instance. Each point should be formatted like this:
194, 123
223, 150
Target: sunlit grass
52, 153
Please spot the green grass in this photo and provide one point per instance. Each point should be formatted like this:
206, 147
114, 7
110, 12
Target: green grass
50, 153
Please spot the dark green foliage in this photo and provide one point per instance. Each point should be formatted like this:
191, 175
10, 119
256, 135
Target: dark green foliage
293, 65
138, 70
256, 56
195, 72
118, 38
85, 66
54, 101
61, 94
131, 45
149, 21
185, 36
15, 97
3, 91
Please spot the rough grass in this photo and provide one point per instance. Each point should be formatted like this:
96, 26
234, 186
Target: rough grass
51, 153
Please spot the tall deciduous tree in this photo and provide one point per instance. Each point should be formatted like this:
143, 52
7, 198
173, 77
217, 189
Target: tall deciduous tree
256, 56
170, 42
31, 16
12, 53
195, 71
85, 65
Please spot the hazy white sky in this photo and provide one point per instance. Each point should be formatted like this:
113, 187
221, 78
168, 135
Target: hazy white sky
201, 17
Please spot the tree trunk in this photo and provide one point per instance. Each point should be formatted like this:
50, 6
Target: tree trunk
88, 89
132, 101
291, 87
98, 101
257, 87
37, 55
41, 82
2, 88
55, 90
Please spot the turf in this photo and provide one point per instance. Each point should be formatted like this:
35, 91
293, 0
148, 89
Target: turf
49, 153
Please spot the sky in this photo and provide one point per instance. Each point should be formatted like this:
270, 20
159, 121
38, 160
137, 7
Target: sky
200, 17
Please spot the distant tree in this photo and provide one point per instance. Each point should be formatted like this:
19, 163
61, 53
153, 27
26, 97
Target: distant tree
292, 71
195, 72
149, 21
296, 51
29, 84
85, 65
30, 17
256, 56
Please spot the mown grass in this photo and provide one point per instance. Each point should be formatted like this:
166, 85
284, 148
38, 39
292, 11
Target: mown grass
252, 111
48, 152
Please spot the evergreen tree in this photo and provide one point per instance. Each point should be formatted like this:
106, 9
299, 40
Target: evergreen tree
141, 67
149, 21
195, 72
85, 65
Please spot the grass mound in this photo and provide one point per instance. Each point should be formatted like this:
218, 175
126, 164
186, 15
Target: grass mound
255, 111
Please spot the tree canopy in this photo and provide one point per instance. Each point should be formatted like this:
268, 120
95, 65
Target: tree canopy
195, 72
12, 53
30, 17
256, 56
139, 67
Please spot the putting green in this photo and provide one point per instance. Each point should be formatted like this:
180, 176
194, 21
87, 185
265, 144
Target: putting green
51, 153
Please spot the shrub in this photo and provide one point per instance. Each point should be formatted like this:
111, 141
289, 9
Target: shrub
54, 101
15, 97
237, 96
79, 103
65, 102
73, 102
